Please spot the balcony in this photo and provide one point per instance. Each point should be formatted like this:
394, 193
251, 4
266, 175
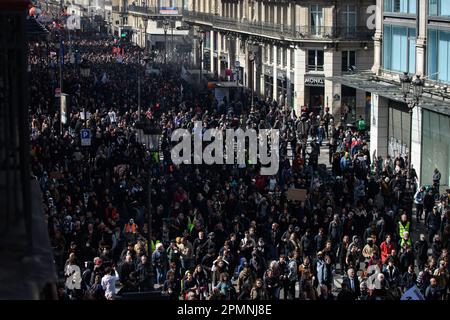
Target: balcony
156, 11
260, 28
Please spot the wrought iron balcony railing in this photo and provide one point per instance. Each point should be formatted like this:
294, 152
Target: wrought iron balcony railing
280, 30
156, 10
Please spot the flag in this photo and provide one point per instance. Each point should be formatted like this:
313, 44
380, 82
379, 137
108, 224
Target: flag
73, 22
413, 294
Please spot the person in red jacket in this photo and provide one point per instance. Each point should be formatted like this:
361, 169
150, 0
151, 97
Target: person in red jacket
386, 247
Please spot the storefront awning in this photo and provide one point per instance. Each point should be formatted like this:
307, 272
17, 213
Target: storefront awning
369, 82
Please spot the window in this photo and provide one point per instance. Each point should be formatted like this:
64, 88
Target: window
348, 60
350, 18
399, 42
401, 6
316, 19
315, 60
284, 57
439, 8
266, 53
278, 56
439, 55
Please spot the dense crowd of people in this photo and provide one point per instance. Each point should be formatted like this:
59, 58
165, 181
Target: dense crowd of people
219, 231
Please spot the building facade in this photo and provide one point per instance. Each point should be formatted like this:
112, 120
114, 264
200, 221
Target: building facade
296, 45
412, 36
154, 23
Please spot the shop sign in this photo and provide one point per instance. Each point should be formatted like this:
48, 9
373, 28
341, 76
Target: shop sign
315, 81
281, 74
268, 71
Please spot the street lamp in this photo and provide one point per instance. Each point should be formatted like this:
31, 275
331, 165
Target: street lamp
412, 102
252, 60
85, 72
166, 27
144, 62
405, 80
200, 41
149, 135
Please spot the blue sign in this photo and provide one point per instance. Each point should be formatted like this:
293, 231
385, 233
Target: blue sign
85, 137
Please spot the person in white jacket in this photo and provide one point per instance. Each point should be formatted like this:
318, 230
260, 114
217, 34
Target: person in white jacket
109, 283
73, 275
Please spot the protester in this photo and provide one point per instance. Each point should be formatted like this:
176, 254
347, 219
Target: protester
217, 231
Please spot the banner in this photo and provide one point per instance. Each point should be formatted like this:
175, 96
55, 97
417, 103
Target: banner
413, 294
296, 194
168, 10
73, 22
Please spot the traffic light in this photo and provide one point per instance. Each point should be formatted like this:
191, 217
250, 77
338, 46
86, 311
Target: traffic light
125, 35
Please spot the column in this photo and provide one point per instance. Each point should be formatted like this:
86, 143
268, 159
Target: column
332, 67
378, 37
421, 39
219, 50
288, 77
299, 75
195, 53
211, 50
263, 10
379, 126
416, 145
275, 87
239, 13
287, 20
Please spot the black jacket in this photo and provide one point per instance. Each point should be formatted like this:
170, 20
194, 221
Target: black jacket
421, 248
433, 221
356, 292
408, 280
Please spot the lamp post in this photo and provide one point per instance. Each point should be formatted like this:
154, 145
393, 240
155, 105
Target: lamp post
200, 41
251, 58
85, 72
60, 48
166, 27
412, 101
144, 62
149, 134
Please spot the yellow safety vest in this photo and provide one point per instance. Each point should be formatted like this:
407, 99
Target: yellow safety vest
153, 244
402, 242
190, 224
402, 229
